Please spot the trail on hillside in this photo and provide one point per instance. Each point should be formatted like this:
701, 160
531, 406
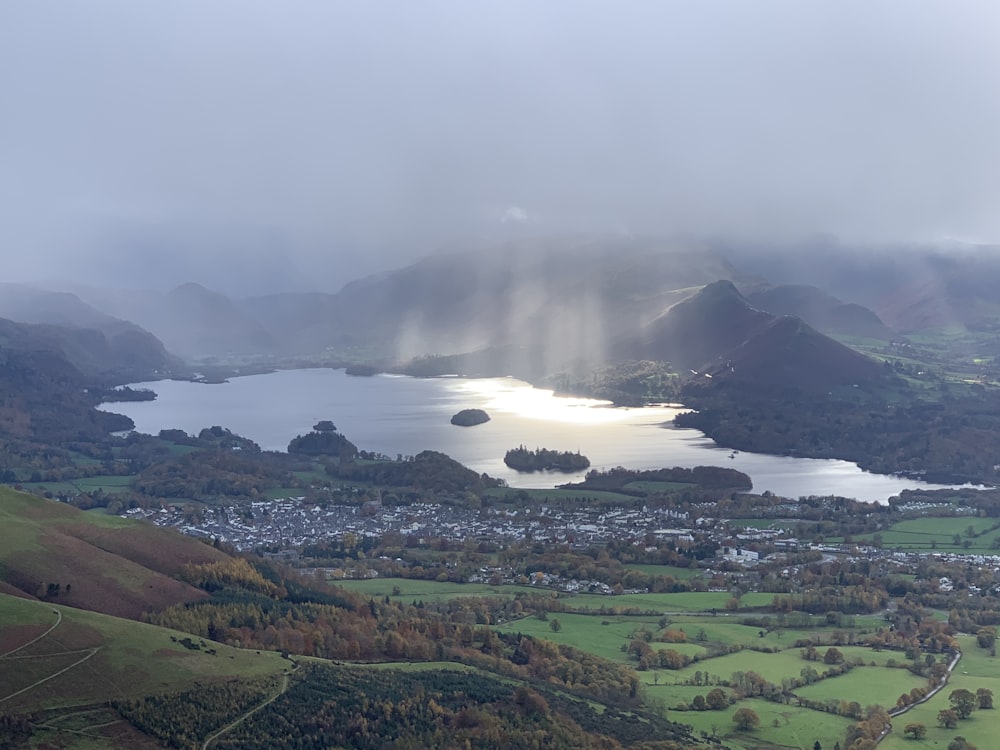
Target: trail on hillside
281, 690
89, 653
37, 639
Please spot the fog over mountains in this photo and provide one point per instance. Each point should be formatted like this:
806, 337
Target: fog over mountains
257, 149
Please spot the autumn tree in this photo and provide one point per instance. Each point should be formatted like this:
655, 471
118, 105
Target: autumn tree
963, 702
746, 719
947, 718
984, 697
716, 699
833, 656
916, 730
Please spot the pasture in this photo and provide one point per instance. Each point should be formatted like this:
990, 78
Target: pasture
977, 669
104, 657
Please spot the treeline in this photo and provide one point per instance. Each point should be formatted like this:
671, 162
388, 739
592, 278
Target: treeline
544, 459
947, 441
335, 624
705, 477
633, 383
350, 707
847, 599
428, 470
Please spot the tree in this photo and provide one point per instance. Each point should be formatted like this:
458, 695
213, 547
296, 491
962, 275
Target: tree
916, 730
817, 746
960, 743
833, 656
746, 719
986, 637
963, 701
716, 699
554, 625
984, 696
947, 718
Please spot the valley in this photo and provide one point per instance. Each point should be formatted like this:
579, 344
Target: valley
740, 585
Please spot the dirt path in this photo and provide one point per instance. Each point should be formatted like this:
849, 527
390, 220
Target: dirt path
90, 652
213, 737
36, 640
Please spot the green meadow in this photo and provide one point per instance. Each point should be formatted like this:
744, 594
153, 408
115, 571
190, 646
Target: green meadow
104, 657
924, 534
977, 669
781, 726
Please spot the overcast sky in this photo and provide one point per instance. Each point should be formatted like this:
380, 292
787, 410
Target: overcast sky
349, 135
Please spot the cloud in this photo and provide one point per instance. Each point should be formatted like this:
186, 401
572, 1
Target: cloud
514, 215
373, 131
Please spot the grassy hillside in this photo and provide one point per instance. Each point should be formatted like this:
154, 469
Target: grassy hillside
104, 563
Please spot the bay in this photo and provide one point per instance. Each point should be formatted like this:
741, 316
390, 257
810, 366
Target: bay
398, 415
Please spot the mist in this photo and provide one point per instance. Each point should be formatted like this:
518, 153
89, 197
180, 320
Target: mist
257, 147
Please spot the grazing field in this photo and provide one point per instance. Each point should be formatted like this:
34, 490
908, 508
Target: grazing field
866, 685
108, 483
648, 486
681, 574
924, 534
686, 601
977, 669
410, 589
601, 636
105, 657
781, 726
772, 667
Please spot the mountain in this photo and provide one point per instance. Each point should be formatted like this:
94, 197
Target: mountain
48, 376
822, 311
97, 344
566, 297
910, 287
190, 319
717, 333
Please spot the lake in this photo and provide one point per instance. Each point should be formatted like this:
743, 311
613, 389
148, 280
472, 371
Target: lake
402, 415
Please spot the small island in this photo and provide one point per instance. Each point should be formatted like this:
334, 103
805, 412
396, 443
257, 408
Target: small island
542, 459
470, 417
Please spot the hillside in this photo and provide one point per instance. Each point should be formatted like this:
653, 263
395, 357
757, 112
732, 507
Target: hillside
822, 311
103, 563
110, 351
190, 319
565, 296
718, 332
43, 394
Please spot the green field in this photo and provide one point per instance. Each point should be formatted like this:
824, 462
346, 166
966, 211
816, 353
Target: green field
866, 685
977, 669
109, 483
602, 636
923, 534
681, 574
781, 726
686, 601
107, 657
410, 589
647, 486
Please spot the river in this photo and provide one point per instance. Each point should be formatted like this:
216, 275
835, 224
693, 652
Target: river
401, 415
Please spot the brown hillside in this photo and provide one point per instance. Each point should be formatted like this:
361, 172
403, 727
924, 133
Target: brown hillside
105, 564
